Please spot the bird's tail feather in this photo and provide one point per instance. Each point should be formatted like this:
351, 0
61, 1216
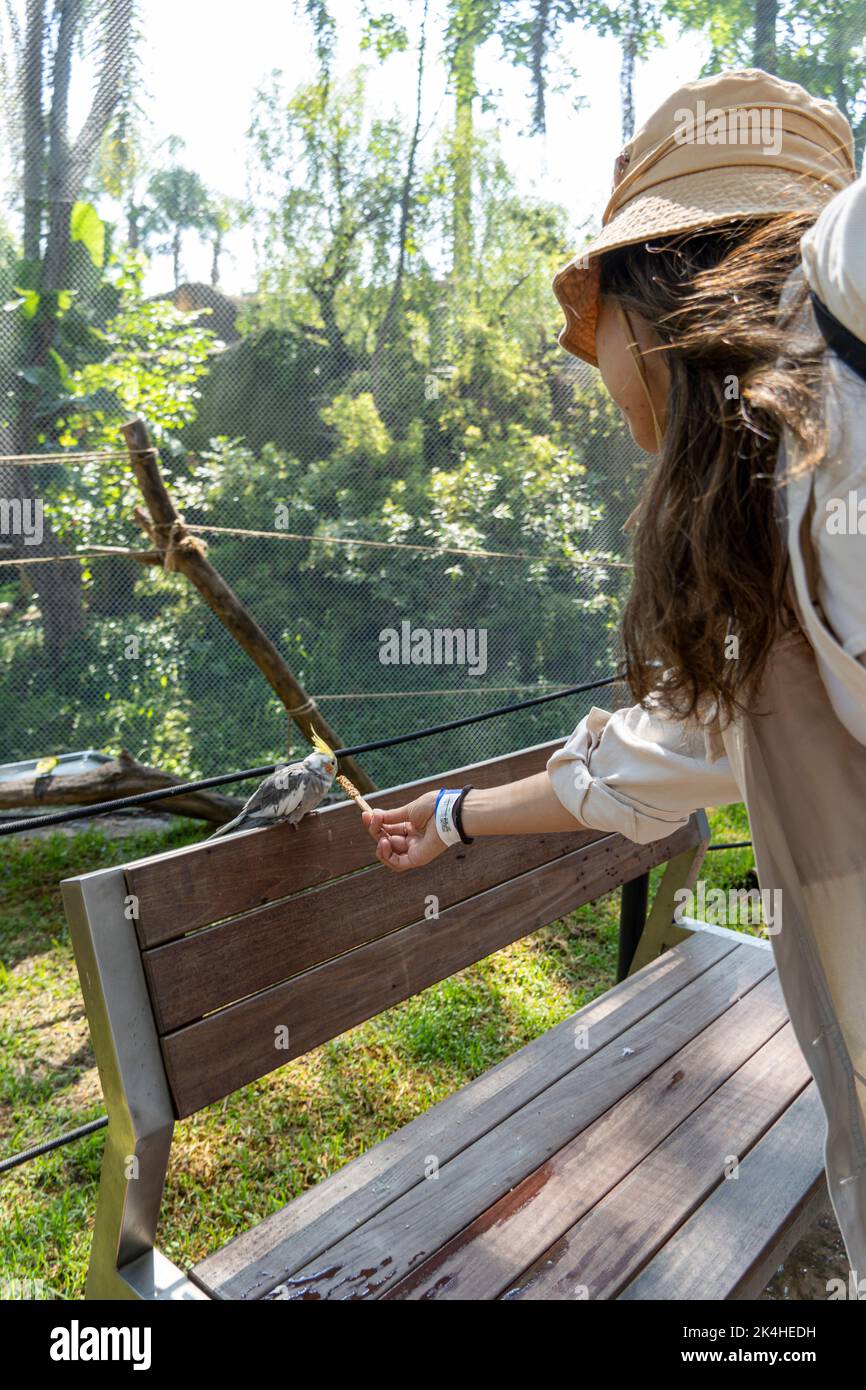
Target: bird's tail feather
227, 828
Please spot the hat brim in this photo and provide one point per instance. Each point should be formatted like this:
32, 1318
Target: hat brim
688, 203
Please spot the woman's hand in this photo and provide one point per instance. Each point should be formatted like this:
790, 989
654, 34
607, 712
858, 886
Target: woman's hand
406, 837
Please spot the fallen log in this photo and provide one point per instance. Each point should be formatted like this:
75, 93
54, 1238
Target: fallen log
121, 777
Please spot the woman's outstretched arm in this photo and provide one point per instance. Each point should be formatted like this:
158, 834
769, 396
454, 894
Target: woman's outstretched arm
635, 773
407, 836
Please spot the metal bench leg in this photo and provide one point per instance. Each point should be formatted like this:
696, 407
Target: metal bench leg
123, 1261
632, 920
660, 931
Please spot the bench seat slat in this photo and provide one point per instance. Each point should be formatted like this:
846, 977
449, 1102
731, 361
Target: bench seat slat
612, 1239
488, 1161
188, 888
736, 1239
298, 1231
207, 1060
429, 1216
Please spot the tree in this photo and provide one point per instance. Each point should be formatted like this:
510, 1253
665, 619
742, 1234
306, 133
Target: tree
388, 328
818, 43
470, 23
125, 164
178, 202
536, 42
222, 213
330, 186
54, 170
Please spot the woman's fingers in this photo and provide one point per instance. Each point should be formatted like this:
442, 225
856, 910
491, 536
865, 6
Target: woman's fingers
399, 833
394, 814
385, 851
377, 824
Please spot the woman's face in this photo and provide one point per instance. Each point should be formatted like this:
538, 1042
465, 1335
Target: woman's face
620, 375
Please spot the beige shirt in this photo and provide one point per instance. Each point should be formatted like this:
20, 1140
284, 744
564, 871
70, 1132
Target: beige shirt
801, 770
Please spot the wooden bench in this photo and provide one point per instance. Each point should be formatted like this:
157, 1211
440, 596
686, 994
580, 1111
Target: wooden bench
591, 1163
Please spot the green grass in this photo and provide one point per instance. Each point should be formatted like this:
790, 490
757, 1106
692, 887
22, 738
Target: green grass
237, 1161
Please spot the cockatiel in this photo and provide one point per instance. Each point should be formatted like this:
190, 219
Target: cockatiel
289, 793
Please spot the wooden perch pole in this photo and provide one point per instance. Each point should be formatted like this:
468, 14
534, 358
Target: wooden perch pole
121, 777
185, 553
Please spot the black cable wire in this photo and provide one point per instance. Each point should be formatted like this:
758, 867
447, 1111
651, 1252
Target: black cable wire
731, 844
38, 1150
99, 808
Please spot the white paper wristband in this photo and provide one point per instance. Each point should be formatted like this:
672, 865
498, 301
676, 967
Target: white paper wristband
444, 816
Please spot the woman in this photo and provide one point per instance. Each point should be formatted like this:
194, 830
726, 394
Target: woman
745, 631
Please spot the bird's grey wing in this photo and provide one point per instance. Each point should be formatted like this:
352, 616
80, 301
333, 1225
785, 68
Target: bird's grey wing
278, 796
256, 808
289, 791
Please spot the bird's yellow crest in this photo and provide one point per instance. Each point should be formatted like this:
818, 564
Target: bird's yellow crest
321, 746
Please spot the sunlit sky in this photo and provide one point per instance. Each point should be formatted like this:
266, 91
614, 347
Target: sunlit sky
202, 61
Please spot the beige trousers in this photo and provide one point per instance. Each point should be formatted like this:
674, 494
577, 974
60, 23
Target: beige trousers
803, 777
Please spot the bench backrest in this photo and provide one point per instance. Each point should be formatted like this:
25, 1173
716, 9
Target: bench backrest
261, 946
207, 967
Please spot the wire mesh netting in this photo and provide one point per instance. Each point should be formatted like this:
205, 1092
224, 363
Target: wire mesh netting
415, 492
418, 496
385, 637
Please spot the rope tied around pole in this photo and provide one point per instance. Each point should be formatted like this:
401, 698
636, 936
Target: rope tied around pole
174, 539
305, 708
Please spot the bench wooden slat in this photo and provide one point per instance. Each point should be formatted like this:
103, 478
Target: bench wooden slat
248, 1265
188, 888
615, 1237
424, 1218
731, 1246
203, 972
604, 1170
207, 1060
212, 968
370, 1260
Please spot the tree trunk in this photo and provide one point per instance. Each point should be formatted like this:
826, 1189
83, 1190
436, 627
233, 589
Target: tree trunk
57, 587
538, 59
122, 777
55, 176
766, 15
464, 95
630, 37
391, 317
34, 128
133, 214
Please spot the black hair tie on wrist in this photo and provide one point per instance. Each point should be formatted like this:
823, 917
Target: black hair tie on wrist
458, 817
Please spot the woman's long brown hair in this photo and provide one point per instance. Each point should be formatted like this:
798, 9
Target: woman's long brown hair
708, 597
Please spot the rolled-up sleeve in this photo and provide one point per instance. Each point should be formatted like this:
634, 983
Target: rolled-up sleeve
639, 772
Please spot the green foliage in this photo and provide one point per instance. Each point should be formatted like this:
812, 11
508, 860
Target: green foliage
818, 43
457, 430
153, 356
87, 227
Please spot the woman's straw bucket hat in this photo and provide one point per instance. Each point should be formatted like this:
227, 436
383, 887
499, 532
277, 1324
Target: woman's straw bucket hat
740, 144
